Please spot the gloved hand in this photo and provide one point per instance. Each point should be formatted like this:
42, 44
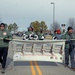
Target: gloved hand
55, 38
68, 41
32, 36
6, 39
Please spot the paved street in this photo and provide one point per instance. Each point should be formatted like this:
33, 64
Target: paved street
35, 68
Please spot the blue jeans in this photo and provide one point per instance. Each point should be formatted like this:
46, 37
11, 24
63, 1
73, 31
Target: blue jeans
69, 52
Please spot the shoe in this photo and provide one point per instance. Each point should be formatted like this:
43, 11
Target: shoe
66, 65
73, 69
2, 70
0, 66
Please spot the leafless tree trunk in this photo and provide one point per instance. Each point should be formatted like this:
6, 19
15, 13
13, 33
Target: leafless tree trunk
71, 23
55, 26
0, 20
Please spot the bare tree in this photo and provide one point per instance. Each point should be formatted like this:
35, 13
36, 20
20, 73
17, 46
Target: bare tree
15, 27
55, 26
71, 22
0, 20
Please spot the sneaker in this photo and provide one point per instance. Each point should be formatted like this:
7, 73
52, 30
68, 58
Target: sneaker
66, 65
73, 69
2, 70
0, 66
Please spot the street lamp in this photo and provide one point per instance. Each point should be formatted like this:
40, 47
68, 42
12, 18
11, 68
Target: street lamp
53, 11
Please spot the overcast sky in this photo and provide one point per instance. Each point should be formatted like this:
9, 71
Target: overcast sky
23, 12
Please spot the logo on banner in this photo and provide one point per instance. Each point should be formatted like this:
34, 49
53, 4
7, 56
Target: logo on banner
4, 33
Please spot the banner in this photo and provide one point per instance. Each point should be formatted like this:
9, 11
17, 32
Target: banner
38, 50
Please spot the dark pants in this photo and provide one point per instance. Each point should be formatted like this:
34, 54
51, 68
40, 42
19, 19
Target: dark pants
69, 52
3, 55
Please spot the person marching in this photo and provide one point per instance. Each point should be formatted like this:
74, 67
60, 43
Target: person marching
30, 34
69, 48
5, 35
57, 34
41, 35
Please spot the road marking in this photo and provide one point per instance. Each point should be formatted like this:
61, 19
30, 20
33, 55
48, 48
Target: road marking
32, 68
38, 68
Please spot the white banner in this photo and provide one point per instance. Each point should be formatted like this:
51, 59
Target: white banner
38, 50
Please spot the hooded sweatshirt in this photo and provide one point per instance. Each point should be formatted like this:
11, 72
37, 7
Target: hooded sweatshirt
4, 34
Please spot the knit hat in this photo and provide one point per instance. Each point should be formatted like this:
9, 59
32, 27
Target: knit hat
58, 31
2, 24
69, 28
